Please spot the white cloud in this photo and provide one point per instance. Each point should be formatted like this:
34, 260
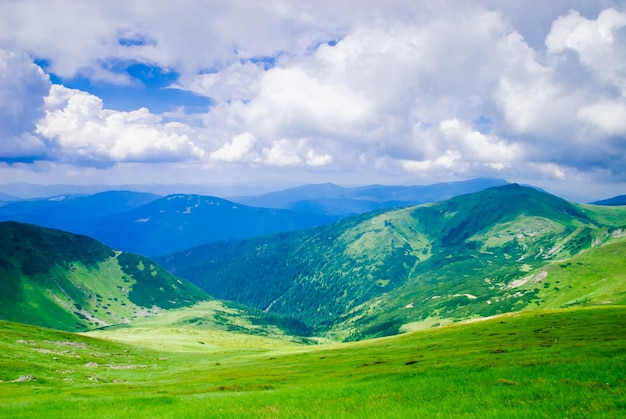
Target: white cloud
607, 117
239, 149
403, 87
292, 103
285, 152
599, 43
477, 146
448, 160
282, 153
23, 86
239, 81
84, 132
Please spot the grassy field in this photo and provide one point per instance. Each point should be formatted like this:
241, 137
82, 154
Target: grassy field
561, 363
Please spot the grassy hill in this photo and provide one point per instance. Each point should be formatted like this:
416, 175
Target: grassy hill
557, 363
395, 270
71, 282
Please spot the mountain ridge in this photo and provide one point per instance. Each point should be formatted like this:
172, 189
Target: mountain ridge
331, 199
181, 221
73, 212
72, 282
356, 276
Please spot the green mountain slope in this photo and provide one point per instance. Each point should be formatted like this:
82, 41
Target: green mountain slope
389, 271
70, 282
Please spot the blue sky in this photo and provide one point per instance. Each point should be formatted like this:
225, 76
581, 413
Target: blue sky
285, 93
149, 86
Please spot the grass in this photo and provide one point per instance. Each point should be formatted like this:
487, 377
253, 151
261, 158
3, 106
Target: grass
560, 363
595, 277
208, 326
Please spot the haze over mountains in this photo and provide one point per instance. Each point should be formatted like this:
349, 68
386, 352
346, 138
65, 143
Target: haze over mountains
332, 199
151, 225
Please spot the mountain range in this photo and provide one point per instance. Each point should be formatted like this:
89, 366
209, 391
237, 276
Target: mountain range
153, 225
551, 273
331, 199
388, 271
502, 249
177, 222
74, 213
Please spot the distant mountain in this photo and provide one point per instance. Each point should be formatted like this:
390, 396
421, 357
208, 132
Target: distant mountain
177, 222
24, 190
70, 282
615, 201
4, 198
331, 199
73, 213
380, 273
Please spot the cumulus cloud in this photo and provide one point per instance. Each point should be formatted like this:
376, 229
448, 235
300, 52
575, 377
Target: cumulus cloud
239, 149
599, 43
292, 103
609, 118
483, 87
23, 86
569, 107
83, 131
238, 81
285, 152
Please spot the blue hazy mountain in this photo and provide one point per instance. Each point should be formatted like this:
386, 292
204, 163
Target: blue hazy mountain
615, 201
331, 199
73, 212
180, 221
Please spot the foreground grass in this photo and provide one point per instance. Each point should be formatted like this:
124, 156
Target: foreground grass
568, 363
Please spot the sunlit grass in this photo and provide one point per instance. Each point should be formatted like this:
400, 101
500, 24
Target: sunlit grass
541, 364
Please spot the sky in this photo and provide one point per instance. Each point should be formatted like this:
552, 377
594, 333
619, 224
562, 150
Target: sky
293, 92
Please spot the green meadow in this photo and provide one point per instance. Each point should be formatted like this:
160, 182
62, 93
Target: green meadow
556, 363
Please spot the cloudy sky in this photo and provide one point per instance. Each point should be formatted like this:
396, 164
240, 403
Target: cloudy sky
289, 92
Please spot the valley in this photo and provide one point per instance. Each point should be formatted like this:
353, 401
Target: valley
386, 271
503, 302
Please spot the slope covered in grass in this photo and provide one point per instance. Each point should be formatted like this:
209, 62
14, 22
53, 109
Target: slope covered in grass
537, 364
389, 271
70, 282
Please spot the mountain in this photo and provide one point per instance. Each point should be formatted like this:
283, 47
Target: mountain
5, 198
616, 200
70, 282
177, 222
389, 271
331, 199
24, 190
73, 212
148, 224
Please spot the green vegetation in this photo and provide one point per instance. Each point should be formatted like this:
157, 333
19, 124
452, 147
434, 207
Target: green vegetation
390, 271
70, 282
564, 363
514, 301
